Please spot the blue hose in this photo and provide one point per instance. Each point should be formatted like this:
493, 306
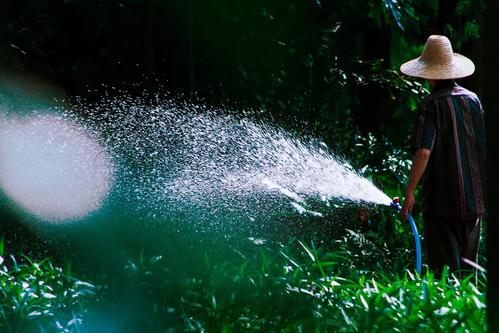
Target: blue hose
395, 204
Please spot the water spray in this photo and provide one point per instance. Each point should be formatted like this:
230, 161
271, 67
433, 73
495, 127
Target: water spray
396, 204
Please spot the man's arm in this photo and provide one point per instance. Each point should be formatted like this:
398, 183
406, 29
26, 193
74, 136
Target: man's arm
419, 162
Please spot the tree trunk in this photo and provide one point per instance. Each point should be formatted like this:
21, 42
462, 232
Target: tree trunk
490, 78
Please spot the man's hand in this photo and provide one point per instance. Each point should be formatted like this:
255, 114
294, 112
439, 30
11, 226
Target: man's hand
409, 202
419, 162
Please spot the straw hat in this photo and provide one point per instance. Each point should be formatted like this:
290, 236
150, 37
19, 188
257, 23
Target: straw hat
438, 61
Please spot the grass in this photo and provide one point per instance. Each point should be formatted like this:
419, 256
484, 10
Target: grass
37, 296
261, 287
301, 292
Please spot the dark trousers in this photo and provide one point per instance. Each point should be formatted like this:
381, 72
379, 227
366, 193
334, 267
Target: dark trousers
449, 241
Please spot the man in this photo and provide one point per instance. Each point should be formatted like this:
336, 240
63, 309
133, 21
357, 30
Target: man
449, 145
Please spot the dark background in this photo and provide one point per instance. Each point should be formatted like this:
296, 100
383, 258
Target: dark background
324, 68
316, 61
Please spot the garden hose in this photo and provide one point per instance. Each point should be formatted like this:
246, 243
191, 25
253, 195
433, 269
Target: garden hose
396, 204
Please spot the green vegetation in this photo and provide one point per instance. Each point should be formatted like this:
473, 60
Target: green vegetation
300, 287
324, 68
36, 296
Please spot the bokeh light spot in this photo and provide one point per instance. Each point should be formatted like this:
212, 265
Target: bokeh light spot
53, 168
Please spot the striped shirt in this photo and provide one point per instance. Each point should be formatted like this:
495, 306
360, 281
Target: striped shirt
450, 124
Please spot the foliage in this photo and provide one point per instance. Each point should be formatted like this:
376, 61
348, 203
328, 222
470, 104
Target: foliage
304, 286
330, 65
304, 292
37, 296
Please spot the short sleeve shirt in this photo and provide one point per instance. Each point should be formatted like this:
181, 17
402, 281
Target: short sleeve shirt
450, 124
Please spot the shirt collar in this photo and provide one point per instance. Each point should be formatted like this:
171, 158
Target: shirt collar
443, 84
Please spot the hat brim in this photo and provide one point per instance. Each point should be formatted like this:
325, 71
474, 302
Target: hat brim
460, 67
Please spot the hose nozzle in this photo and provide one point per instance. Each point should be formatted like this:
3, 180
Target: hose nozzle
396, 203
